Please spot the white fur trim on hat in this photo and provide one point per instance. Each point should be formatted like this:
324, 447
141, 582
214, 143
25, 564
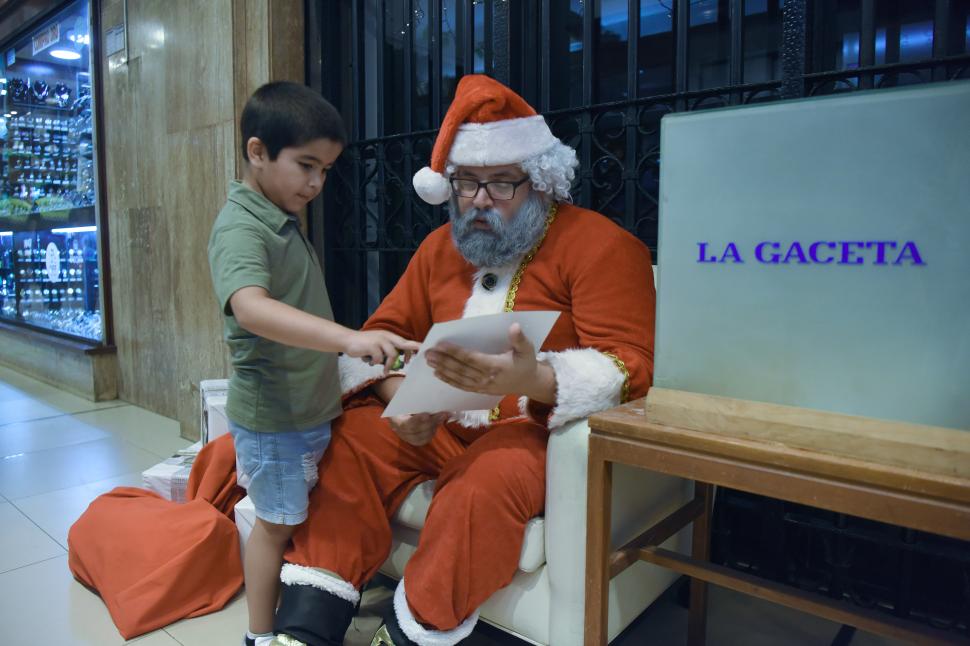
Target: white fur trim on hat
431, 187
497, 143
425, 636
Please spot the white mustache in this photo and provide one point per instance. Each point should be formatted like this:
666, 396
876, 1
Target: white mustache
491, 216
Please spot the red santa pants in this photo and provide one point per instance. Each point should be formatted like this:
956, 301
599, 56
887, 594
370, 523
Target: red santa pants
489, 484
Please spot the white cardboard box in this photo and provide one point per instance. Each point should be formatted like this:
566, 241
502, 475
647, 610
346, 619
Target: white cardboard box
170, 478
217, 423
245, 519
213, 387
212, 408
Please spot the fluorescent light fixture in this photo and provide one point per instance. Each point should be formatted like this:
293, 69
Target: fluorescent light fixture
75, 230
7, 115
65, 54
5, 233
13, 112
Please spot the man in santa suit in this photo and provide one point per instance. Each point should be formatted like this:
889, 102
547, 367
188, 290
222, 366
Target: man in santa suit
514, 242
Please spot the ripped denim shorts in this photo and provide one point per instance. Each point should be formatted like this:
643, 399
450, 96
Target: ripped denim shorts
279, 469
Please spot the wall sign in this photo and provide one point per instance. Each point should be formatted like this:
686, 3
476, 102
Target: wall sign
114, 39
813, 253
820, 252
46, 37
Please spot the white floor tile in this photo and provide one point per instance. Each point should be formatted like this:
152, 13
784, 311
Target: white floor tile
158, 638
21, 385
224, 627
25, 386
50, 433
144, 429
56, 511
23, 398
30, 474
22, 542
25, 409
42, 603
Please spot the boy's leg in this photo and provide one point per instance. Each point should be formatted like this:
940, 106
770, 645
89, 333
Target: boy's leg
261, 567
364, 476
277, 469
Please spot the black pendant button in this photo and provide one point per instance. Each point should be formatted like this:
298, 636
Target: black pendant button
489, 281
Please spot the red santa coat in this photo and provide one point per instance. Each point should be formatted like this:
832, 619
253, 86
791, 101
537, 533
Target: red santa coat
597, 274
490, 474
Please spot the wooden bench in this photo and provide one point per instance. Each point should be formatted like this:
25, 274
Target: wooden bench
904, 474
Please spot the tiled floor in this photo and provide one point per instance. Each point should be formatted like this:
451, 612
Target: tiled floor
58, 452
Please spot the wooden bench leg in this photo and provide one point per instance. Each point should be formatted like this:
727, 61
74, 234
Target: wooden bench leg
701, 550
599, 493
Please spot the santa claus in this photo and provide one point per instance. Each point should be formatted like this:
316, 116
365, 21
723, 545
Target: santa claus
514, 242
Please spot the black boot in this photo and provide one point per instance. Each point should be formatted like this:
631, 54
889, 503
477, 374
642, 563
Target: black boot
390, 634
313, 616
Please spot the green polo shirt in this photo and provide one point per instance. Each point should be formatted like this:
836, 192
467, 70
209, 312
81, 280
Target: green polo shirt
274, 387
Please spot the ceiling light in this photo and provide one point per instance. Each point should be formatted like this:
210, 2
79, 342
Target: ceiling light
75, 230
65, 54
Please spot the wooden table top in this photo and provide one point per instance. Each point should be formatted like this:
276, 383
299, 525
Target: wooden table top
922, 460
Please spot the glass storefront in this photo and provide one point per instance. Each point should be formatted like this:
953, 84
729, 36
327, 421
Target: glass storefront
49, 265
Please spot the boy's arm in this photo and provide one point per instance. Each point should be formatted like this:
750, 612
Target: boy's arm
260, 314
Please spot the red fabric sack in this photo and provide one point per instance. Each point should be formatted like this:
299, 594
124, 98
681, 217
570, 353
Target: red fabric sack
154, 561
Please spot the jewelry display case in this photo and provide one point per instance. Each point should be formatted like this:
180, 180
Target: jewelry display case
49, 249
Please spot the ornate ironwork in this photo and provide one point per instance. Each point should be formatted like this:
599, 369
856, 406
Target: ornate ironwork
873, 565
373, 221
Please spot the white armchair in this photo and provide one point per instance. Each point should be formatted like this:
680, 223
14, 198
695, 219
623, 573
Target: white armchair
544, 604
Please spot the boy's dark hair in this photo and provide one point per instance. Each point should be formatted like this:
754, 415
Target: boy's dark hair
283, 114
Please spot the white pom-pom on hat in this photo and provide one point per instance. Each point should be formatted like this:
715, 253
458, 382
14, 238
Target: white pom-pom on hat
431, 187
487, 124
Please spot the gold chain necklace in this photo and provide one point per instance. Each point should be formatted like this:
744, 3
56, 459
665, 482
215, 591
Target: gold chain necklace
517, 278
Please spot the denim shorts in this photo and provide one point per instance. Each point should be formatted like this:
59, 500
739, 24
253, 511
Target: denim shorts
279, 469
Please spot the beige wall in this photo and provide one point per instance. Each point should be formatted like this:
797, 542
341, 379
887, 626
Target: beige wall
170, 114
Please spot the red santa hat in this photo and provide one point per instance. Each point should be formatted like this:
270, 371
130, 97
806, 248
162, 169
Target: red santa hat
487, 124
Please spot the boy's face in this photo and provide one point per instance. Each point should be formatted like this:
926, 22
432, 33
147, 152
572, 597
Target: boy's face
297, 174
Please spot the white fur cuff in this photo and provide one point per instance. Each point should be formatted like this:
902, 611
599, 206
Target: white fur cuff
587, 381
424, 636
356, 374
301, 575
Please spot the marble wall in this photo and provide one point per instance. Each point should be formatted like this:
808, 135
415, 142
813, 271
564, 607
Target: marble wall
170, 111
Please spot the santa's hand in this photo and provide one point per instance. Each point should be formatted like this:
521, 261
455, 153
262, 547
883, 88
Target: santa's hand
515, 372
418, 429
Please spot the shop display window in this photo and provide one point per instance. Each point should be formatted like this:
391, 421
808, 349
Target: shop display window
49, 269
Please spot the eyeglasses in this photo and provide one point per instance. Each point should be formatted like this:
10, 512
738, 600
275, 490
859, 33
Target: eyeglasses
496, 190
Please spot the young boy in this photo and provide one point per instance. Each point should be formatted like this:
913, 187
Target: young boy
285, 388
